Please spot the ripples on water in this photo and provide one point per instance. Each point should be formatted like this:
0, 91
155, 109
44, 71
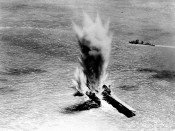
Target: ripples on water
38, 54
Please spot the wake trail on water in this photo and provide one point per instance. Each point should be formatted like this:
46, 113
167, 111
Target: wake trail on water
165, 46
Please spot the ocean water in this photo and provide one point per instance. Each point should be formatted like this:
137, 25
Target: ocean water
38, 55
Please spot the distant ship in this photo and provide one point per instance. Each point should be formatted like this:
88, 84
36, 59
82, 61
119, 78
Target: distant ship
140, 43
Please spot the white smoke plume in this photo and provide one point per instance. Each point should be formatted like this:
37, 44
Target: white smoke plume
94, 40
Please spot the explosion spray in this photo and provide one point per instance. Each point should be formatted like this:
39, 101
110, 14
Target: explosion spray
91, 80
95, 44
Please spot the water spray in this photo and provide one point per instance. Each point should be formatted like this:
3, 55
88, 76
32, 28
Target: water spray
91, 77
